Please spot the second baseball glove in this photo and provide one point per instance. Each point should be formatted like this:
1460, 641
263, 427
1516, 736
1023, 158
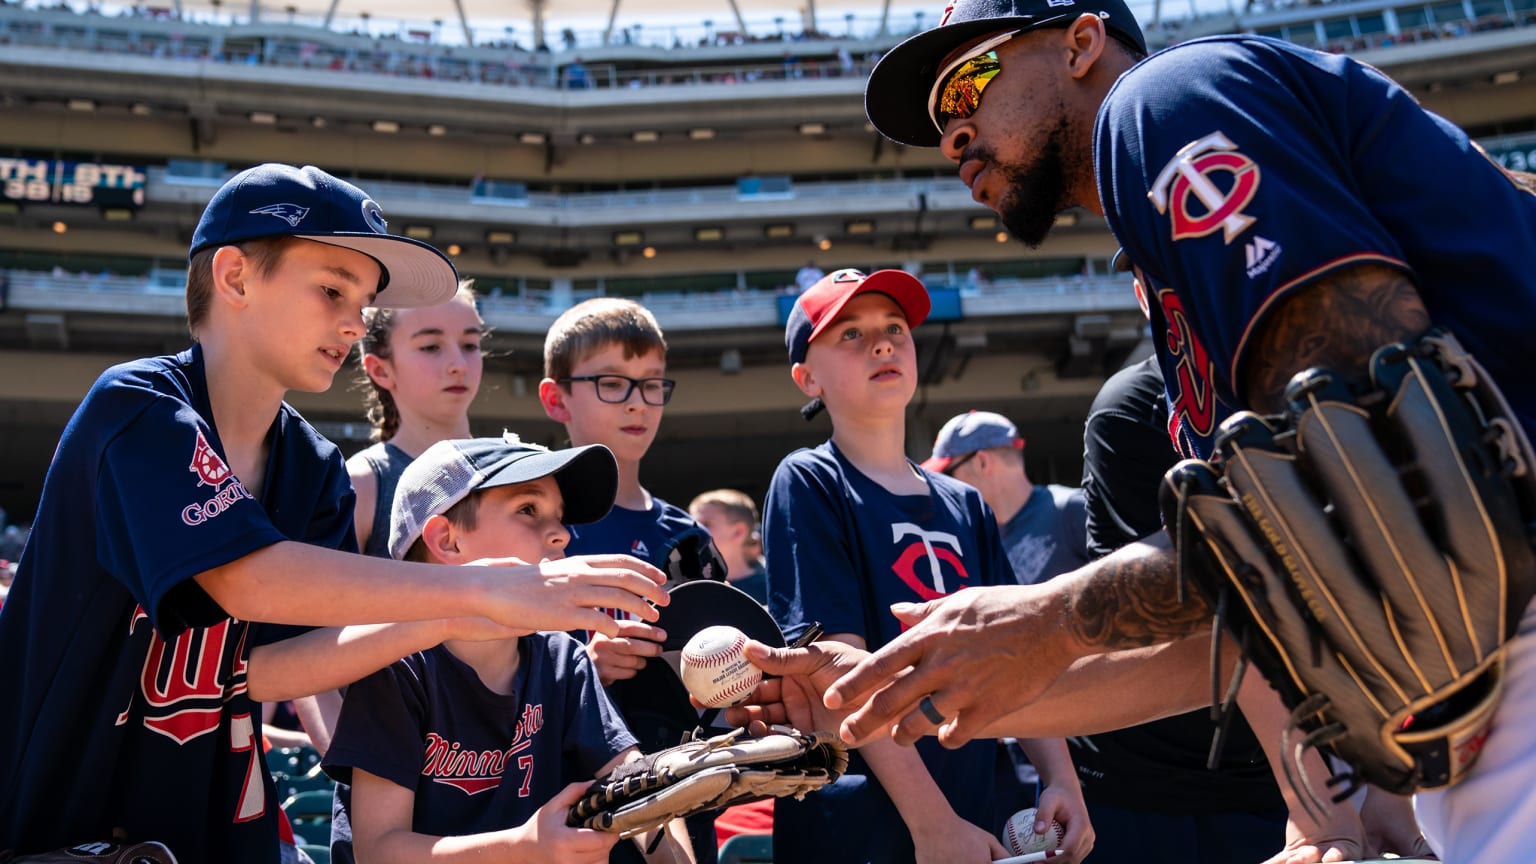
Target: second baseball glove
1371, 550
707, 774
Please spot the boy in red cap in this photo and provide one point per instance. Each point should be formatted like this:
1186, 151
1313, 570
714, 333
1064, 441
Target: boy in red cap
854, 526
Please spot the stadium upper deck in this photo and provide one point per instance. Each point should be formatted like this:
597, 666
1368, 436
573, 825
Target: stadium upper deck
699, 178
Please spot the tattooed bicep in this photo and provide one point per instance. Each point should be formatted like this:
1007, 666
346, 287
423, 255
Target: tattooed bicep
1337, 322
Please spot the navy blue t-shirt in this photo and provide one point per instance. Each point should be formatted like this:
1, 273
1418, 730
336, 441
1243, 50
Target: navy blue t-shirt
645, 534
479, 760
841, 549
125, 697
1048, 536
1235, 169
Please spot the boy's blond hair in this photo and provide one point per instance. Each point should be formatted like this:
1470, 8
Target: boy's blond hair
590, 326
736, 506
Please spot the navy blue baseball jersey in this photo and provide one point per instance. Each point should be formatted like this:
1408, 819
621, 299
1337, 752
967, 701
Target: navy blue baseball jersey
479, 760
645, 534
1234, 169
125, 695
841, 549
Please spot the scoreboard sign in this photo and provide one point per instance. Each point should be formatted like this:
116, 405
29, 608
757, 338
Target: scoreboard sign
101, 184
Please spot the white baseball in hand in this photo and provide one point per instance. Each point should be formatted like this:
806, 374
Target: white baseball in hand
1021, 838
715, 670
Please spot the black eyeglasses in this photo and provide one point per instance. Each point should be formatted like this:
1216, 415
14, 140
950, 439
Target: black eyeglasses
951, 467
616, 389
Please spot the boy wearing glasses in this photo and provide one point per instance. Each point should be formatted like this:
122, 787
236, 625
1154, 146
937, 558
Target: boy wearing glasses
605, 365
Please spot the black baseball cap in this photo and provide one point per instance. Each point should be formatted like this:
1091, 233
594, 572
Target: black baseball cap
896, 96
274, 200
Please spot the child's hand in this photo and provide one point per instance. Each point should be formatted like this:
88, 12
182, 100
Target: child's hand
569, 594
546, 837
621, 656
951, 839
1064, 803
472, 629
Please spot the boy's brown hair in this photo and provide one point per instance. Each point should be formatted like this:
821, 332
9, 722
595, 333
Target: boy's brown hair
463, 515
589, 326
265, 254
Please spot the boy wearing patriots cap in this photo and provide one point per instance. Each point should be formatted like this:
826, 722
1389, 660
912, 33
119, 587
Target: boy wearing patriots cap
854, 529
188, 508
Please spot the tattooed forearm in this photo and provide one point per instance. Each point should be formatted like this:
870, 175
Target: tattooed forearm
1336, 322
1131, 600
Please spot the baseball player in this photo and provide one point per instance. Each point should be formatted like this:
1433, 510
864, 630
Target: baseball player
185, 502
1285, 209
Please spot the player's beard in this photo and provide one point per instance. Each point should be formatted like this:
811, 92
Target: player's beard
1036, 192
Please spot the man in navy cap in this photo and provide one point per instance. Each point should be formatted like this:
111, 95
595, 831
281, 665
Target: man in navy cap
1275, 222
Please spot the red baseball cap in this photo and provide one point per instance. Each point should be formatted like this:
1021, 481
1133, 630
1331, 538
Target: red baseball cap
821, 303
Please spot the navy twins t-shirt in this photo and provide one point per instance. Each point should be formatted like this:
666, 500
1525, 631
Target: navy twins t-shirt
645, 534
125, 692
479, 760
841, 549
1235, 169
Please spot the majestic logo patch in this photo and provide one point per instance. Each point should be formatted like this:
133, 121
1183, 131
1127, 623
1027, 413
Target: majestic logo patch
1261, 255
1187, 189
940, 550
293, 214
640, 550
206, 464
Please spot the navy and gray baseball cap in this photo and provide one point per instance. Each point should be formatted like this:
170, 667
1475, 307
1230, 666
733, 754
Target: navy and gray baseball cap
449, 470
969, 432
274, 200
896, 96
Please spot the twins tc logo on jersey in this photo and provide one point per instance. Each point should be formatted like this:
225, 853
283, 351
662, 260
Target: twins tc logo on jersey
924, 563
476, 771
211, 470
1205, 187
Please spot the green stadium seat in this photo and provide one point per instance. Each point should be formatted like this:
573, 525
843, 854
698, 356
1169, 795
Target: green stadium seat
748, 849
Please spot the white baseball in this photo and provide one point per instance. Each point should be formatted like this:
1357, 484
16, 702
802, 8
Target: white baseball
1019, 834
715, 670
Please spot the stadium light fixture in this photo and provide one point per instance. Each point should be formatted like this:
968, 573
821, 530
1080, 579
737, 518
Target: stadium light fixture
709, 234
419, 232
437, 130
859, 226
262, 118
703, 134
645, 136
983, 223
628, 238
779, 231
500, 238
386, 127
532, 138
813, 128
81, 104
649, 252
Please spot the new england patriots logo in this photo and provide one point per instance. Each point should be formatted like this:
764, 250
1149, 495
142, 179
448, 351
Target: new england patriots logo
293, 214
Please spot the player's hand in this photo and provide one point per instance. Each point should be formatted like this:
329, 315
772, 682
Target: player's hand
978, 654
569, 594
1390, 826
622, 655
1341, 838
796, 696
952, 840
1064, 803
546, 837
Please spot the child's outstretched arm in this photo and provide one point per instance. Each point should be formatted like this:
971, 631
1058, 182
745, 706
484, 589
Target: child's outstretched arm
381, 831
296, 583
